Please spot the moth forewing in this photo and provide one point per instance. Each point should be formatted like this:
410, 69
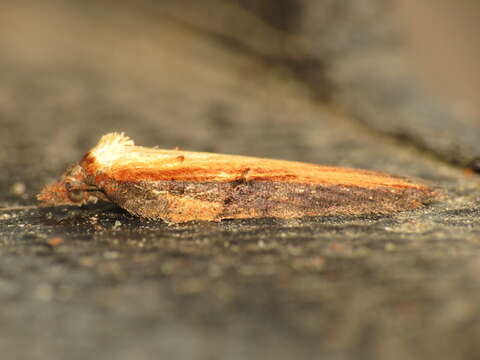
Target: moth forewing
179, 186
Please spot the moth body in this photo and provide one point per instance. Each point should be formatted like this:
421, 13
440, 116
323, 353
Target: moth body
179, 186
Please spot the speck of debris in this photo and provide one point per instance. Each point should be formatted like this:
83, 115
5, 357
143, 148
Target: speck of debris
18, 189
44, 292
475, 165
110, 255
55, 241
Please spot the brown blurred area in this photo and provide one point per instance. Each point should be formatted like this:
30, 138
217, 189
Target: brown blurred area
444, 45
443, 39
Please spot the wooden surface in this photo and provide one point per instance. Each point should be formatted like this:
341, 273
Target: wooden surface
312, 87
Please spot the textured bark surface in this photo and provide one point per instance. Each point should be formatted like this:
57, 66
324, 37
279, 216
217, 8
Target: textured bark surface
228, 77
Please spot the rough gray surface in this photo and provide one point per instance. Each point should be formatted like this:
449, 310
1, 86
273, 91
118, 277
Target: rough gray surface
397, 287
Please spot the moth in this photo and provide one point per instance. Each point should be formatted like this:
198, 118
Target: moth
179, 186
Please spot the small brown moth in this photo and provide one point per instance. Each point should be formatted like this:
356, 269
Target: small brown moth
179, 186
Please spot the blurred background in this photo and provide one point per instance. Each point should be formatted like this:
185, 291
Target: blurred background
443, 38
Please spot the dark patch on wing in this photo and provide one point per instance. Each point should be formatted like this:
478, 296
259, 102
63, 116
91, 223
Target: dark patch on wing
243, 199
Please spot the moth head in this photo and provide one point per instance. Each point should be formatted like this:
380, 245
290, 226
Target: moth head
71, 189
